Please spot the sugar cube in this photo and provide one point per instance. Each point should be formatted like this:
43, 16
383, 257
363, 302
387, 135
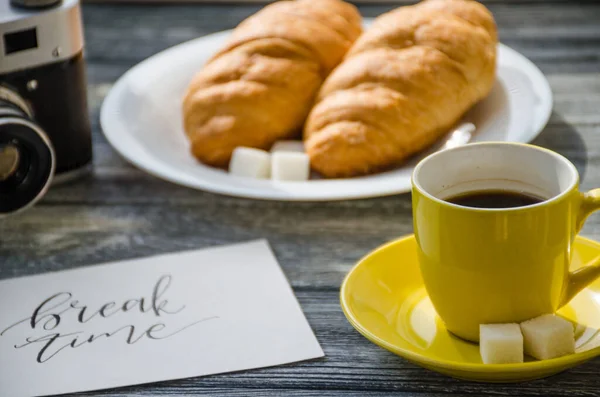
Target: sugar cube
250, 162
548, 336
500, 343
290, 166
467, 128
288, 146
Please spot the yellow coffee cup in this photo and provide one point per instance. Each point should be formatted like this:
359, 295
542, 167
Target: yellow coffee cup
499, 265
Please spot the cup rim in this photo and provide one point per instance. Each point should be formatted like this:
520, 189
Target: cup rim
415, 183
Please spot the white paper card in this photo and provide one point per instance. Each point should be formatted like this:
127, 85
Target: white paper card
146, 320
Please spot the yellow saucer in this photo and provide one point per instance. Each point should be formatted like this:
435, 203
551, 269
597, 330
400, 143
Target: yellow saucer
383, 297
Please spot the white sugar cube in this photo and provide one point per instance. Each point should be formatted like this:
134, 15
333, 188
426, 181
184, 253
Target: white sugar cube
290, 166
250, 162
467, 128
548, 336
500, 343
288, 146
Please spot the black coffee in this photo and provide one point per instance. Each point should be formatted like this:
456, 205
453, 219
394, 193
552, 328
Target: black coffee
494, 199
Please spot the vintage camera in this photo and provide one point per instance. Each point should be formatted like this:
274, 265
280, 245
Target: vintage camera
44, 126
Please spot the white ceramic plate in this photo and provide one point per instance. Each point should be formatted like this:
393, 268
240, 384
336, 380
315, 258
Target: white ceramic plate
141, 118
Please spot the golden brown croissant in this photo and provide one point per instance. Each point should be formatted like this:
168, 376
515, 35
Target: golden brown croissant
260, 87
403, 84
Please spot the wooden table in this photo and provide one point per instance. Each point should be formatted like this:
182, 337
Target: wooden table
120, 212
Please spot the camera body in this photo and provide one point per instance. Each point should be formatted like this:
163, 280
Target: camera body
43, 89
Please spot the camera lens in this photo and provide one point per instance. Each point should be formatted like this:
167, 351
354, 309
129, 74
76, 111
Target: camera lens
26, 155
9, 161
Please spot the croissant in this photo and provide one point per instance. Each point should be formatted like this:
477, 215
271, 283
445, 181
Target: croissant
261, 86
403, 84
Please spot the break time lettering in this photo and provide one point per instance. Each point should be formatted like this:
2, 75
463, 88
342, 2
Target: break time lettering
48, 315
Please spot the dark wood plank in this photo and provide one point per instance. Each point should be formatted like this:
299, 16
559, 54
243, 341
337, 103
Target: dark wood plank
365, 3
558, 37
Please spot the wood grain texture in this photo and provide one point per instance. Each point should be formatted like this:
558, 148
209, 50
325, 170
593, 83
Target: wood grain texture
119, 212
263, 2
557, 37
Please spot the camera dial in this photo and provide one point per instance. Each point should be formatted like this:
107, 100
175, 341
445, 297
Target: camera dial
26, 155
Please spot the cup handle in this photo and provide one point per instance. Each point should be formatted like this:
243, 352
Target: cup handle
584, 276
